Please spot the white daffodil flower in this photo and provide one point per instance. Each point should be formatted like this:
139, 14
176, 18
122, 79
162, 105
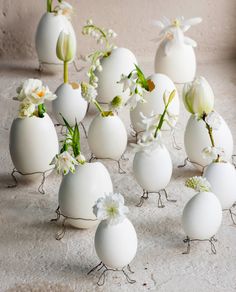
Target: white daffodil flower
65, 47
213, 153
88, 92
34, 91
111, 208
173, 31
198, 96
213, 120
63, 8
198, 183
26, 109
64, 163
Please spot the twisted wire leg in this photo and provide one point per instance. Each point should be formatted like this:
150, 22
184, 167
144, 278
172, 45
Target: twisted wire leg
174, 143
232, 215
187, 240
159, 202
129, 280
186, 160
14, 178
212, 240
58, 215
120, 169
92, 158
97, 267
124, 158
61, 233
129, 269
167, 198
85, 132
142, 198
41, 186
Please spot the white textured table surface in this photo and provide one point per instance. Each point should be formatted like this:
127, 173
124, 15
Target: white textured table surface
32, 260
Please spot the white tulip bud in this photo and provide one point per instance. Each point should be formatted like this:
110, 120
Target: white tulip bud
198, 96
65, 47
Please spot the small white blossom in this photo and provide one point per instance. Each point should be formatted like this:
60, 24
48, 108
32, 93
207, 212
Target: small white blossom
64, 163
213, 120
125, 81
198, 183
26, 109
81, 159
88, 92
148, 142
63, 8
111, 208
213, 153
134, 100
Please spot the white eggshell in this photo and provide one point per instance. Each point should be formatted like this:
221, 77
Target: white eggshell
202, 216
33, 144
196, 138
154, 101
179, 65
121, 61
116, 245
70, 104
49, 28
79, 192
153, 170
107, 137
222, 177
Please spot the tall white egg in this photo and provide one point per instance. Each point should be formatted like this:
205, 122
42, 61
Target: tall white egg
107, 137
120, 61
79, 192
33, 144
48, 30
154, 101
179, 64
116, 244
153, 170
202, 216
222, 178
70, 104
196, 138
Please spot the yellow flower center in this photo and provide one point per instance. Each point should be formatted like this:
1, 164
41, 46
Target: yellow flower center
41, 93
176, 23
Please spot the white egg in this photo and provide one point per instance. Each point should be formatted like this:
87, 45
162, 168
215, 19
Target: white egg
179, 65
70, 104
48, 30
154, 101
153, 170
196, 138
79, 192
116, 244
222, 177
33, 144
120, 61
202, 216
107, 137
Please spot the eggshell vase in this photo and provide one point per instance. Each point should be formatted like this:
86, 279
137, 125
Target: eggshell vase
107, 137
179, 64
196, 138
79, 192
120, 61
154, 101
116, 244
202, 216
47, 34
70, 104
33, 144
153, 170
222, 178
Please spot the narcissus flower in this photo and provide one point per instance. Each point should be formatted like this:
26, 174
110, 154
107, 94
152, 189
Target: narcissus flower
198, 97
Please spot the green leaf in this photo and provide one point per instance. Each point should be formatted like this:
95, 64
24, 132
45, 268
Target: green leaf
171, 96
76, 140
69, 128
141, 78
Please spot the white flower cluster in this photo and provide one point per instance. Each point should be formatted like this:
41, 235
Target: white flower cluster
32, 93
173, 31
136, 90
198, 183
213, 153
63, 8
111, 208
64, 162
88, 92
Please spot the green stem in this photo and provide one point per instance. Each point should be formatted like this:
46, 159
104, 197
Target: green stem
98, 106
161, 121
41, 110
49, 6
101, 32
209, 129
66, 74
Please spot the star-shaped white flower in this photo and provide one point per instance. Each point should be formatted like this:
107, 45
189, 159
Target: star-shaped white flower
64, 163
111, 208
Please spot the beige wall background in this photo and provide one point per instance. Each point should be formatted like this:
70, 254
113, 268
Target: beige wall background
131, 19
